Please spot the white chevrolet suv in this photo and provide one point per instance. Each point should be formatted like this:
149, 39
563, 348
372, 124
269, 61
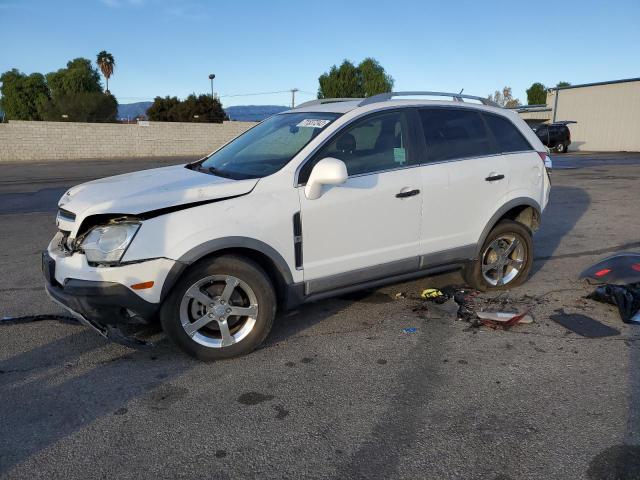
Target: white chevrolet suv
333, 196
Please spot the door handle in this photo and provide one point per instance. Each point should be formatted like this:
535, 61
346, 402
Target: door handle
493, 178
408, 193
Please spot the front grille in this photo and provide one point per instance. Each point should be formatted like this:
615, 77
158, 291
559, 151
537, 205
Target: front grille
66, 215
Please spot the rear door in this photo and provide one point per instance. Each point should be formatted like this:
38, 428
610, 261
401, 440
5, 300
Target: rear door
478, 178
526, 170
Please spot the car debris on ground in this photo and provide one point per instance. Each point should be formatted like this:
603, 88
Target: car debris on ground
619, 275
463, 303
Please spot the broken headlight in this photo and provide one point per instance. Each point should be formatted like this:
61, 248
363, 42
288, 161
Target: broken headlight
107, 243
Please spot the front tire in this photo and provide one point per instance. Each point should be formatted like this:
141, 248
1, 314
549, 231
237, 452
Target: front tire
505, 259
221, 308
561, 148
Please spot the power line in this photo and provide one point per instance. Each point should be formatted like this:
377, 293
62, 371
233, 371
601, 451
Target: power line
227, 95
253, 94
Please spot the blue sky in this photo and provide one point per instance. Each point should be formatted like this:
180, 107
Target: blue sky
168, 47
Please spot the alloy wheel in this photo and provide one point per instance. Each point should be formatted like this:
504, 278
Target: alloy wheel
218, 311
503, 259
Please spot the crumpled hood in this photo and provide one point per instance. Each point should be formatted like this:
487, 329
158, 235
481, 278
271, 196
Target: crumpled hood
147, 190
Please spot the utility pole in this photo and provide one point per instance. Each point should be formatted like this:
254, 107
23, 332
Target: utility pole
293, 97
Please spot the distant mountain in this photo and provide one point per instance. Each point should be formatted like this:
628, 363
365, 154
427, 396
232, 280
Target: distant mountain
240, 113
132, 110
253, 113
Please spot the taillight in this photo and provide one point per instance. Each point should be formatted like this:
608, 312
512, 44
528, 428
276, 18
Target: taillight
636, 267
602, 273
546, 160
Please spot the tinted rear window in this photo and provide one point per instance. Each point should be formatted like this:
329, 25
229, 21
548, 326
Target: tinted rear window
455, 133
507, 135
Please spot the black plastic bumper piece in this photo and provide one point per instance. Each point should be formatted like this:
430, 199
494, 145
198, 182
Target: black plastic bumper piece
102, 303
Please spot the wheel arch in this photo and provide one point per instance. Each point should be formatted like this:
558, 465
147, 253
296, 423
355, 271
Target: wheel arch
522, 210
274, 265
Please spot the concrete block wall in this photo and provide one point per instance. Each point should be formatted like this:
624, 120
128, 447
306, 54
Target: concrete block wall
29, 141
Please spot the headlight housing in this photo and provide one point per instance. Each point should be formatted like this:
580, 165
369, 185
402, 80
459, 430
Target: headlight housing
107, 243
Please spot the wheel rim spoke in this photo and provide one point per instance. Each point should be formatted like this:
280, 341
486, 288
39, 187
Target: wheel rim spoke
515, 263
197, 294
227, 338
231, 284
250, 311
487, 268
512, 247
495, 246
192, 328
500, 275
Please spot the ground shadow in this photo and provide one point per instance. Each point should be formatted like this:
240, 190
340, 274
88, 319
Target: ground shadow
44, 400
566, 207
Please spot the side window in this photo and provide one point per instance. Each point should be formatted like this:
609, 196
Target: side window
452, 133
507, 134
375, 143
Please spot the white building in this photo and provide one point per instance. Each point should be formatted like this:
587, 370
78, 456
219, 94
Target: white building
607, 114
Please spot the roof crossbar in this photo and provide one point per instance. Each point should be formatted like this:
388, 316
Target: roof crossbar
321, 101
458, 97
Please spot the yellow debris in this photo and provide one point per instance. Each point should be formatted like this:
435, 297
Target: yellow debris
431, 293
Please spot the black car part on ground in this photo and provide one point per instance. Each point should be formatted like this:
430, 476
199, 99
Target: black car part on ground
625, 297
622, 268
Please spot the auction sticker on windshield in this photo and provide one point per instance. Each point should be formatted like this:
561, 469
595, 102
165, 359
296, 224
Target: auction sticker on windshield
313, 123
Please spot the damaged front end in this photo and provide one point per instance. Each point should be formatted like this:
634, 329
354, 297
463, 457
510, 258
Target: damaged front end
105, 307
109, 308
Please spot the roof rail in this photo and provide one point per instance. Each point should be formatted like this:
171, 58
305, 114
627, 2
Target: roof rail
320, 101
458, 97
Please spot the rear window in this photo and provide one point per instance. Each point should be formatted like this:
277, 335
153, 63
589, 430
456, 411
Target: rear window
506, 134
455, 133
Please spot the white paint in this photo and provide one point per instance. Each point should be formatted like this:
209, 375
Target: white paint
351, 223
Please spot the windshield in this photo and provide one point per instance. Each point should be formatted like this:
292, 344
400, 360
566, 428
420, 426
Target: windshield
267, 147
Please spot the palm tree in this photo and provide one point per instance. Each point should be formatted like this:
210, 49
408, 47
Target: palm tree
106, 63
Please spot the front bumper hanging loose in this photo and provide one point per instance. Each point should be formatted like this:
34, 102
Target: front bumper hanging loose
105, 307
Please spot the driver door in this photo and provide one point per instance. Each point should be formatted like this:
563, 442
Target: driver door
369, 226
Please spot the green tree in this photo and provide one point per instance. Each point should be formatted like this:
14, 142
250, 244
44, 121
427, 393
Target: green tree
201, 108
373, 78
563, 84
23, 96
537, 94
74, 91
106, 63
504, 98
347, 80
77, 93
161, 110
94, 107
79, 76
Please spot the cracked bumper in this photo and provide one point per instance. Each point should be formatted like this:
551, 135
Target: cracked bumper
96, 302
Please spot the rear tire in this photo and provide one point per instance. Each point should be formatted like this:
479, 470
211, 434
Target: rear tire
561, 148
505, 259
221, 308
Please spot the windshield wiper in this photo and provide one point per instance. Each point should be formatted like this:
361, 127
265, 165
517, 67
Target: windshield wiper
217, 172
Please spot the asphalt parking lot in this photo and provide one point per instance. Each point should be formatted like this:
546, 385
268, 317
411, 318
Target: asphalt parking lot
338, 390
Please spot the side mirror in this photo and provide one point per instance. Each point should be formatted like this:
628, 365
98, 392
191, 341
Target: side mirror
328, 171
